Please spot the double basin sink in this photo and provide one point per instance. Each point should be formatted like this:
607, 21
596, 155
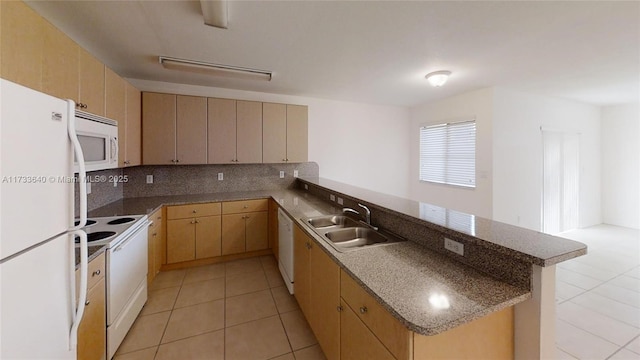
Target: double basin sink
346, 234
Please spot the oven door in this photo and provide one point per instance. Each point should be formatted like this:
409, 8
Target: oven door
126, 269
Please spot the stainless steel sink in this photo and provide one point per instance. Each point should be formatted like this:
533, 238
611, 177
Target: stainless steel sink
338, 221
355, 237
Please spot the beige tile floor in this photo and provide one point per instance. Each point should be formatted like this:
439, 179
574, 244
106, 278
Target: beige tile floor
237, 310
598, 296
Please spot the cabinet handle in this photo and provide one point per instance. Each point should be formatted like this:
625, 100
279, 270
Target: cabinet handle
173, 160
96, 273
287, 160
284, 159
177, 160
197, 221
159, 217
86, 303
154, 234
245, 207
127, 162
363, 309
193, 221
195, 211
339, 308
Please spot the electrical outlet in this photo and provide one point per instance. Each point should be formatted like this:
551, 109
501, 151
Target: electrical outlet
295, 201
454, 246
340, 201
332, 197
115, 181
306, 187
220, 176
149, 179
295, 173
88, 188
281, 174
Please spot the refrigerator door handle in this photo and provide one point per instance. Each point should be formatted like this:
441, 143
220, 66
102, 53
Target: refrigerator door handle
82, 295
82, 173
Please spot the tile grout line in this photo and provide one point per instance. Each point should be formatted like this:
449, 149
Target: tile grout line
624, 347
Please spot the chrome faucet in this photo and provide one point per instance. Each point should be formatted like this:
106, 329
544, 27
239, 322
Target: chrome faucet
367, 215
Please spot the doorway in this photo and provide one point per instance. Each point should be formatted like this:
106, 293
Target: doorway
561, 180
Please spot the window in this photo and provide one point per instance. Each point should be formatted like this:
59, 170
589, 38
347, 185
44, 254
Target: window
448, 153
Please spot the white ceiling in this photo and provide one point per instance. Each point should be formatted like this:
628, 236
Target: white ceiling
374, 52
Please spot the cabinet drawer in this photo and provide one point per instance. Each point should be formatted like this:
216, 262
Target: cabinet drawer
235, 207
95, 271
388, 329
192, 210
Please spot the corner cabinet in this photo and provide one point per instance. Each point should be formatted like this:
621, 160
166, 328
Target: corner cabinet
92, 333
285, 133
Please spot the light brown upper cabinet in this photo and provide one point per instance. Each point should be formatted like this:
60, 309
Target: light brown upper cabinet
115, 107
297, 133
221, 142
91, 83
274, 133
158, 129
133, 124
59, 64
249, 132
285, 132
191, 130
22, 33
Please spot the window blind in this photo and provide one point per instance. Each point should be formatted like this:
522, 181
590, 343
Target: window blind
448, 153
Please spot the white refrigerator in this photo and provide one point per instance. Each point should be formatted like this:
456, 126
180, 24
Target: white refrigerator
40, 307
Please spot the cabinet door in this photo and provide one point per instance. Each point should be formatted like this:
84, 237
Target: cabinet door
256, 225
91, 79
273, 228
152, 234
181, 240
301, 269
233, 234
191, 129
161, 242
208, 237
115, 107
133, 140
92, 331
249, 132
22, 32
221, 144
356, 341
297, 133
158, 129
59, 64
324, 316
274, 133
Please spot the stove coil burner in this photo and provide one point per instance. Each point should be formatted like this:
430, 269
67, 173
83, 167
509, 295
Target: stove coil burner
119, 221
89, 222
98, 235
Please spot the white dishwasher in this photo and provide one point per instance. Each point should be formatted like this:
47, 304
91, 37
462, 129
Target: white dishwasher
285, 248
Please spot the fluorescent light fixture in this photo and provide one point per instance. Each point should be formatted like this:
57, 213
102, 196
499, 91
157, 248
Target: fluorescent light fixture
215, 13
438, 78
214, 69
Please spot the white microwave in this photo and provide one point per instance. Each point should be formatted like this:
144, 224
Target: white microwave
98, 137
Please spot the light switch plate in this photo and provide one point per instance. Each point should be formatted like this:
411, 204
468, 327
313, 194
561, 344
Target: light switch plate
281, 174
340, 201
306, 187
295, 173
332, 197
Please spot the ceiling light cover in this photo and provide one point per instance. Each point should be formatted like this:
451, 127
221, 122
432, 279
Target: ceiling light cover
215, 69
438, 78
215, 13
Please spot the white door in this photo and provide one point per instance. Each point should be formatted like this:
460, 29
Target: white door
35, 162
561, 180
35, 302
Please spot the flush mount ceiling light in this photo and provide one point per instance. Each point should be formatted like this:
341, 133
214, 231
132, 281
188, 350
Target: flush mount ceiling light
214, 69
438, 78
214, 13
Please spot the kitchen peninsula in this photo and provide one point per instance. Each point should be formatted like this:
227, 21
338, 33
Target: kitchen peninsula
504, 268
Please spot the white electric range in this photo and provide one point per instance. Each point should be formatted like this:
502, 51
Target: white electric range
126, 270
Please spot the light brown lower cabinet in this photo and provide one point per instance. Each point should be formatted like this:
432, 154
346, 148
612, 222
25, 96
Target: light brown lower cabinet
157, 245
351, 324
193, 232
92, 332
245, 226
273, 228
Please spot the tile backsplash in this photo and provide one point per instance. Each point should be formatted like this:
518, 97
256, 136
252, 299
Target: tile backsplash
189, 179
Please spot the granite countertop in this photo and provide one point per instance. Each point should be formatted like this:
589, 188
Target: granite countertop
531, 246
401, 277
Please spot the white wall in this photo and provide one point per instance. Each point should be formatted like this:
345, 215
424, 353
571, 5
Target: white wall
621, 165
517, 155
359, 144
476, 104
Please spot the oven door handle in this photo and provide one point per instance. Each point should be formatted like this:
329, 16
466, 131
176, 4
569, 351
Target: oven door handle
133, 236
